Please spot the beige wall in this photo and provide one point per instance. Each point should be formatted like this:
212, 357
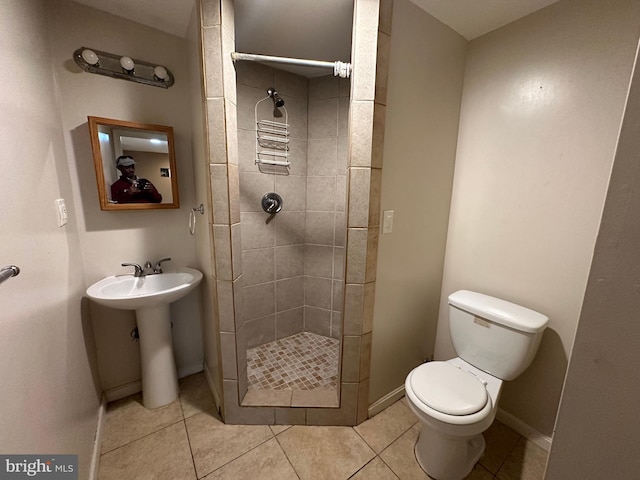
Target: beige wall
107, 239
597, 430
50, 392
542, 105
423, 105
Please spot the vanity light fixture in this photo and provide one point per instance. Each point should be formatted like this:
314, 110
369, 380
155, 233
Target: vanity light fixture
126, 68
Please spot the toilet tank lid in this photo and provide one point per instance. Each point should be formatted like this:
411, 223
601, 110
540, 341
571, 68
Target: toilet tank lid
499, 311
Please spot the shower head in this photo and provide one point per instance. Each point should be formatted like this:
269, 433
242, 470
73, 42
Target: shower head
277, 101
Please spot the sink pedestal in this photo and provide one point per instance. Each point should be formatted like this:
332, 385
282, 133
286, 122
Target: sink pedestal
159, 375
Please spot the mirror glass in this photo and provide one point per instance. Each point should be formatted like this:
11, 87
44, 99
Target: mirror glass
135, 165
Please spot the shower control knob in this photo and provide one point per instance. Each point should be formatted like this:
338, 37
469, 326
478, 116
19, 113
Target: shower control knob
271, 203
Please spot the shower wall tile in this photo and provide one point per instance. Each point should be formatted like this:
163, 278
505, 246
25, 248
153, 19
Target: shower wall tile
254, 74
343, 156
345, 415
322, 157
364, 61
227, 17
212, 46
216, 131
256, 233
259, 301
382, 67
323, 118
225, 305
298, 157
210, 13
366, 13
365, 356
338, 262
320, 228
234, 193
326, 86
356, 255
377, 149
317, 292
321, 194
337, 295
296, 116
362, 413
260, 331
253, 186
228, 355
289, 293
343, 117
372, 254
289, 261
290, 84
317, 320
219, 193
258, 265
341, 230
291, 416
292, 190
359, 190
353, 309
318, 261
238, 302
246, 101
228, 71
289, 228
234, 414
247, 151
231, 119
236, 250
375, 189
345, 87
367, 312
289, 322
222, 246
336, 325
351, 358
361, 134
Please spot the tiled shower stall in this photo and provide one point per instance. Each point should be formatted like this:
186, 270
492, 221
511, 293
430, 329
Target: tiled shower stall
310, 270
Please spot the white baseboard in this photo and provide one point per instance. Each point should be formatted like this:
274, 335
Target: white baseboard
123, 391
97, 440
528, 432
386, 401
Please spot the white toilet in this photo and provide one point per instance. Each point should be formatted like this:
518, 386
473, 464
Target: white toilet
457, 400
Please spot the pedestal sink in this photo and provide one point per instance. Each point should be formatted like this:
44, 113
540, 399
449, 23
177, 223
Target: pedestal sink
150, 297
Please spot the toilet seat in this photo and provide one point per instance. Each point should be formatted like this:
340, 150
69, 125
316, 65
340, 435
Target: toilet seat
448, 389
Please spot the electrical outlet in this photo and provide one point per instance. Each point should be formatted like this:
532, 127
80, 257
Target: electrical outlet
62, 212
387, 221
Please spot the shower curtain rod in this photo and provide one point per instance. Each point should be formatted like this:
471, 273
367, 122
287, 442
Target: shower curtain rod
340, 69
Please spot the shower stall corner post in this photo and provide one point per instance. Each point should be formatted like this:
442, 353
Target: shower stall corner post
370, 58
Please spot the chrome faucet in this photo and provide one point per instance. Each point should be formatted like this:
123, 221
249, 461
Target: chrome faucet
157, 268
139, 271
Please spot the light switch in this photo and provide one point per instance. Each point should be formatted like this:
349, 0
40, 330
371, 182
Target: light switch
62, 212
387, 221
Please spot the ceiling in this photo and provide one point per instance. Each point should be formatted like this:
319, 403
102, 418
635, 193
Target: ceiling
267, 26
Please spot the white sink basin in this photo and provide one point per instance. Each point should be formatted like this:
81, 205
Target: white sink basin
150, 297
130, 293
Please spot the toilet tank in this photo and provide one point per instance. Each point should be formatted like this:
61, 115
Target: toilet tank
496, 336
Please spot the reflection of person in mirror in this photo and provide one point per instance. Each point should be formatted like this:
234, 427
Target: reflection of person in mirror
131, 189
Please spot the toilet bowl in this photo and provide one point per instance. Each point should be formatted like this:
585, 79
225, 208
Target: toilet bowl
455, 402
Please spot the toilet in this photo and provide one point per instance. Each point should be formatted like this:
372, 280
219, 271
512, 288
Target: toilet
456, 400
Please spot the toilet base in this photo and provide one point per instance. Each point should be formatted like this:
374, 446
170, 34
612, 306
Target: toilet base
444, 457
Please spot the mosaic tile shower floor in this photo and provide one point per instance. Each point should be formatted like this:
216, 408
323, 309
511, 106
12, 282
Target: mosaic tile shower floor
304, 361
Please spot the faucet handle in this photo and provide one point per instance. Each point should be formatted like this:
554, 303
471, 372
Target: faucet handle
157, 267
138, 272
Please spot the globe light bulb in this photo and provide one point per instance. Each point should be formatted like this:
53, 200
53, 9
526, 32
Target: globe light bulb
161, 73
127, 64
90, 56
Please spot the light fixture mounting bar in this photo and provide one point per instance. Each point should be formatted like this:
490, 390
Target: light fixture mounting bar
111, 65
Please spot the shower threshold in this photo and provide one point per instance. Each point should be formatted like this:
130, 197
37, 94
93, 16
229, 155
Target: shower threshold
296, 371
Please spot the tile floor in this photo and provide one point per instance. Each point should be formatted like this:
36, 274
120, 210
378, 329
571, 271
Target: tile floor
187, 441
304, 361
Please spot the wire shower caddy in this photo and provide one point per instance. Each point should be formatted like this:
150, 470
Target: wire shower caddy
272, 141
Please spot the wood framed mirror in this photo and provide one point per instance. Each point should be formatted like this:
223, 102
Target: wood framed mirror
135, 165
